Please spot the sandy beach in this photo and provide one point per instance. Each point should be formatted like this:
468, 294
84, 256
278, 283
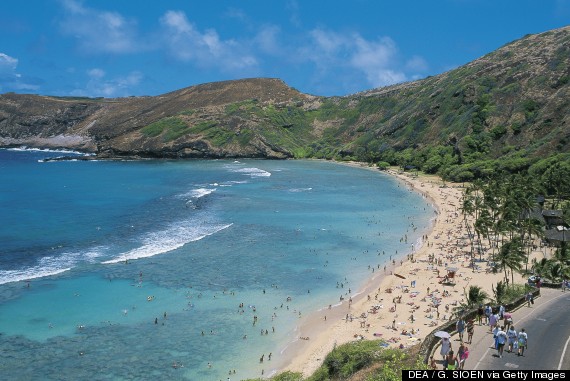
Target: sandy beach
399, 308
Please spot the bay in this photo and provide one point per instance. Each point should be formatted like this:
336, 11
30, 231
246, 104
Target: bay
162, 269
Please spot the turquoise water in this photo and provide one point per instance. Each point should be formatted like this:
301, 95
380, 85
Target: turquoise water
115, 270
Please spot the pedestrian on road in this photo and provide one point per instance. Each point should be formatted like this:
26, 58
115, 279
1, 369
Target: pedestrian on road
493, 321
460, 326
451, 361
512, 337
495, 331
480, 313
470, 330
488, 312
523, 342
462, 354
432, 363
501, 340
445, 347
529, 299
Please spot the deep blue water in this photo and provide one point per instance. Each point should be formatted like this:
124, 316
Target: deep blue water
92, 253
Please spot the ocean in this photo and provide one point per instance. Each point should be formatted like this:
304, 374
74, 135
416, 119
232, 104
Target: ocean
182, 270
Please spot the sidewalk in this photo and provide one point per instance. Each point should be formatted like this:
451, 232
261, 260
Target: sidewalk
482, 337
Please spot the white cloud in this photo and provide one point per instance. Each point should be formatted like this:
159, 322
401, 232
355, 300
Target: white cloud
99, 86
96, 73
377, 59
186, 43
293, 8
417, 64
10, 80
324, 57
266, 40
238, 14
7, 64
99, 31
332, 52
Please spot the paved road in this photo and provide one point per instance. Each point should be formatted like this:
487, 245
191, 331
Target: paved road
547, 323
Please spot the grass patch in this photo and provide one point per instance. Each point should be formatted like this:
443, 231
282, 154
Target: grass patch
171, 125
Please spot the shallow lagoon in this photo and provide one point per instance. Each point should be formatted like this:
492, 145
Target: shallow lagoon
211, 234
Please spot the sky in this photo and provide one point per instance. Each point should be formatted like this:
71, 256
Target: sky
118, 48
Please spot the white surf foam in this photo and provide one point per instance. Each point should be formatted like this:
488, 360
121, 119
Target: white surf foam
8, 276
172, 238
198, 193
47, 150
253, 172
47, 266
298, 190
52, 265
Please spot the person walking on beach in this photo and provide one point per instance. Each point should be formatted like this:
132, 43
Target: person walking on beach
523, 342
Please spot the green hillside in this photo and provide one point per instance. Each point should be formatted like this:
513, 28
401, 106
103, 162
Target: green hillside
506, 110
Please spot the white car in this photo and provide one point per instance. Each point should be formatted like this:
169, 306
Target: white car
532, 279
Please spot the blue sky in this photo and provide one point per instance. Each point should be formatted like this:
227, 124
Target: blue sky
121, 48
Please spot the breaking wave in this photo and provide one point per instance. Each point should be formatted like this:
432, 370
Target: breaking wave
169, 239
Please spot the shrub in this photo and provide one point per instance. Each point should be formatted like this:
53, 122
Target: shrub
497, 132
383, 165
348, 359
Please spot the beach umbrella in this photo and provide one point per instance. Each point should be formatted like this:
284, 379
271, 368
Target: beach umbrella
442, 334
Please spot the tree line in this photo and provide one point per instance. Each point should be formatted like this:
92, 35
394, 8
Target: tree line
502, 213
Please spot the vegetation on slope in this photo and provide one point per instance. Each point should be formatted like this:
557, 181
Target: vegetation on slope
363, 360
505, 110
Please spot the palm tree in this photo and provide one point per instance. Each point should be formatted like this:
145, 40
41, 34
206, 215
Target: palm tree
542, 267
500, 292
483, 226
562, 254
473, 205
557, 178
467, 209
533, 227
475, 296
511, 256
558, 271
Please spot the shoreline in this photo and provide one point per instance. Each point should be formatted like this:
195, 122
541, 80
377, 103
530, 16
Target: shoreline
370, 315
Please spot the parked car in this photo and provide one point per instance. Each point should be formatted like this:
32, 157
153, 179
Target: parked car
533, 280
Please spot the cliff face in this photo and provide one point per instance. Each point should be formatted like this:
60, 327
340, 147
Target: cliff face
516, 98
